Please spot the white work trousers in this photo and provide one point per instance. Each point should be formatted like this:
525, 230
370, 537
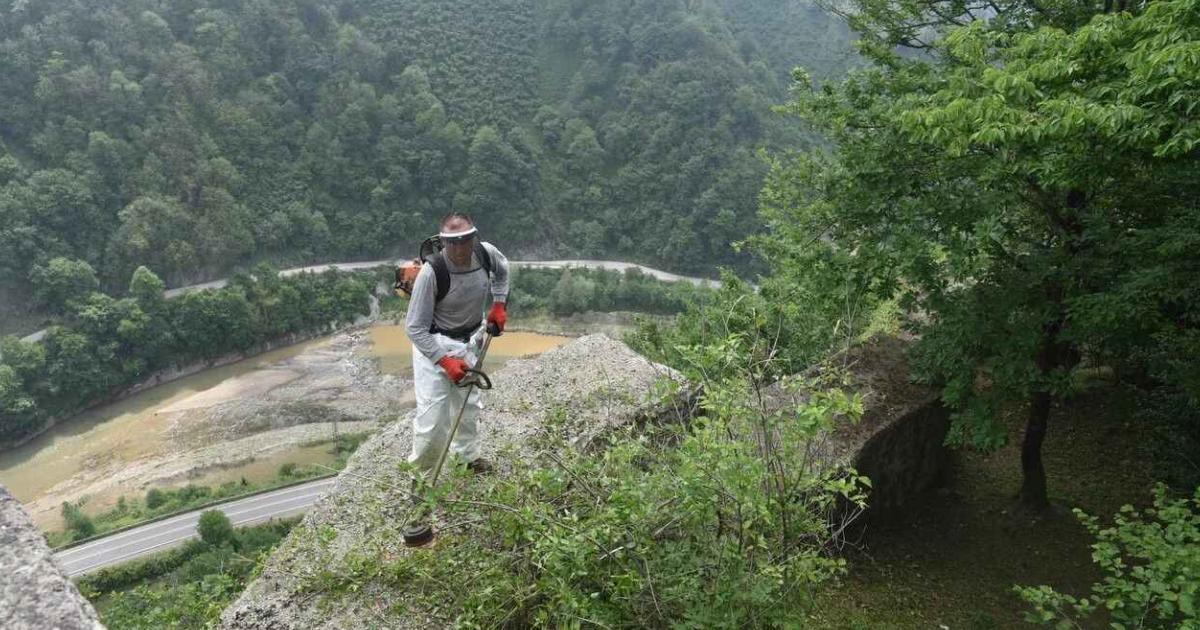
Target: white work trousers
438, 403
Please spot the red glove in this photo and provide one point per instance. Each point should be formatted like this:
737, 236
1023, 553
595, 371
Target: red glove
496, 319
455, 367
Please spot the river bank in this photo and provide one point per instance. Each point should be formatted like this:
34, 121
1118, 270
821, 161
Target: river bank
244, 419
176, 372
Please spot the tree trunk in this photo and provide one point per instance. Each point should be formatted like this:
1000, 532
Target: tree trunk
1033, 484
1052, 354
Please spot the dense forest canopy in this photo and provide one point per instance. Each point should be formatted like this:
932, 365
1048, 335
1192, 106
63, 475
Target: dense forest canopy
193, 136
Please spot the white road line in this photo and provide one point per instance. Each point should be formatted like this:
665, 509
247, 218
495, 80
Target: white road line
173, 531
318, 486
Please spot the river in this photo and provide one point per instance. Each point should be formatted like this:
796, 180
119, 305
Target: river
140, 428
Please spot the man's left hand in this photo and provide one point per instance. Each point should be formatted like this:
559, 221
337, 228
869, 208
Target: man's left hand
496, 319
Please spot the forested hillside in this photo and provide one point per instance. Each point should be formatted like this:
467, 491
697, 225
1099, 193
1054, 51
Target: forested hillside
193, 136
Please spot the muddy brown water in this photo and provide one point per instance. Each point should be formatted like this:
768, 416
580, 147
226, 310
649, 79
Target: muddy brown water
132, 429
394, 350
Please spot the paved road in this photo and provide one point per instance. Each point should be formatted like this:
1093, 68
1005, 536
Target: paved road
168, 533
611, 265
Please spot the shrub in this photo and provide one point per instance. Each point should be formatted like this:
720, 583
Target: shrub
130, 573
79, 524
1151, 565
187, 587
215, 529
155, 498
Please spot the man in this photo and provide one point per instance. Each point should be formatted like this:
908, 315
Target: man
446, 333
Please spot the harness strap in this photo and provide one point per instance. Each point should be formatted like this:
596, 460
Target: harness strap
459, 334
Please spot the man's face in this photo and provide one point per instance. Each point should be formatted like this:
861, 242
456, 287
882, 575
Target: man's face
459, 253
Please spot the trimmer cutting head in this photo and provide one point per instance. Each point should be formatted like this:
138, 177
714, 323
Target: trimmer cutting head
418, 534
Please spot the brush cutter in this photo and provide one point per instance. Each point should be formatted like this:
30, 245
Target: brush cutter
420, 531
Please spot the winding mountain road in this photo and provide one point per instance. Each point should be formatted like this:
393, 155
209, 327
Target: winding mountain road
611, 265
161, 535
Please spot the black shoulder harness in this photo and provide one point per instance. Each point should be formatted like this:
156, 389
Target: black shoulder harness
441, 272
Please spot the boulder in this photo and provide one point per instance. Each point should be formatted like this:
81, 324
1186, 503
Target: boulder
587, 387
34, 592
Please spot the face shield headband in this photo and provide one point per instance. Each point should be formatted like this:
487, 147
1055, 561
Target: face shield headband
456, 238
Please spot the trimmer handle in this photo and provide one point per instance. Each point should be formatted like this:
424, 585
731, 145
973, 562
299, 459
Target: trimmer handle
477, 378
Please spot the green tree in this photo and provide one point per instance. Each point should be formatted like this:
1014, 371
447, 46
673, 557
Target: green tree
211, 323
148, 290
147, 331
63, 206
1031, 191
80, 524
215, 529
62, 283
498, 180
78, 368
28, 360
10, 169
157, 233
572, 294
18, 410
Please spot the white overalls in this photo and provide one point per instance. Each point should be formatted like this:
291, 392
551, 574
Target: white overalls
438, 402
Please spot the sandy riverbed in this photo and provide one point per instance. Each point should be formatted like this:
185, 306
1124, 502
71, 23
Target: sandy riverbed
261, 417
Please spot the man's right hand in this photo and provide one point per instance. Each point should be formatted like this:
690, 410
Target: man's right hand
454, 367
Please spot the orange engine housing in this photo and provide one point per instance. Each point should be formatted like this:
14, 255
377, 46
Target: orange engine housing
406, 276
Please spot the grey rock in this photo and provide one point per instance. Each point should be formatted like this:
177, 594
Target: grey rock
34, 592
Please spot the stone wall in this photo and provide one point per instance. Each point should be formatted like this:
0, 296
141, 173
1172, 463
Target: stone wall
34, 592
898, 441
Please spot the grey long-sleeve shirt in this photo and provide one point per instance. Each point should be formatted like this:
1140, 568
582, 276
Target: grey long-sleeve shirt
464, 302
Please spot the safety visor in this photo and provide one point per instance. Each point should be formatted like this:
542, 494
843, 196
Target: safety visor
457, 238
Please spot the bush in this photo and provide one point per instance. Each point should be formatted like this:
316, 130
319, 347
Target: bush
215, 529
1174, 423
79, 524
1151, 565
184, 587
155, 498
786, 324
130, 573
568, 291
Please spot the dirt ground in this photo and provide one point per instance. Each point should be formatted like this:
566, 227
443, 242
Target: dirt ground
953, 560
259, 415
